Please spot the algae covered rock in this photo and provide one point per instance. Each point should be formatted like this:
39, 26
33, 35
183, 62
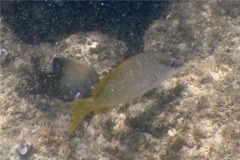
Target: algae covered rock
194, 115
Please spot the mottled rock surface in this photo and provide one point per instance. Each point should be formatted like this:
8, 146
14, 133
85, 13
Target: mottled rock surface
195, 115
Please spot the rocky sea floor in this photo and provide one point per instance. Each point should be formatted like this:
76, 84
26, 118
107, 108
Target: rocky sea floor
194, 115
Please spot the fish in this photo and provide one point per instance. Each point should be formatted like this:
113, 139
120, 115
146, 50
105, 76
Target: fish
74, 79
129, 80
68, 79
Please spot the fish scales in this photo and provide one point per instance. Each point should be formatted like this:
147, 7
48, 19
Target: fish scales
75, 78
131, 79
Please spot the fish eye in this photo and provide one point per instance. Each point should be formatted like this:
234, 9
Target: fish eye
173, 64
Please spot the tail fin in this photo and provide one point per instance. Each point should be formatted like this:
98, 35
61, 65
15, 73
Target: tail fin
80, 109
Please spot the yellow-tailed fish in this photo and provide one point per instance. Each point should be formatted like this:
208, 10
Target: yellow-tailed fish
131, 79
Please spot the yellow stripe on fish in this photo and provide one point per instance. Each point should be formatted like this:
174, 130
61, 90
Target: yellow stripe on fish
129, 80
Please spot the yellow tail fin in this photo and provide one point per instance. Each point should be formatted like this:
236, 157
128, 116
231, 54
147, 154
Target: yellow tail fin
80, 109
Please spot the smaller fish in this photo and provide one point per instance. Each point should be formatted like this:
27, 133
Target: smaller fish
75, 79
68, 79
129, 80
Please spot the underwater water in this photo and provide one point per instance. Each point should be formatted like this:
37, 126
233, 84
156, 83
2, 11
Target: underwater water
53, 53
36, 22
